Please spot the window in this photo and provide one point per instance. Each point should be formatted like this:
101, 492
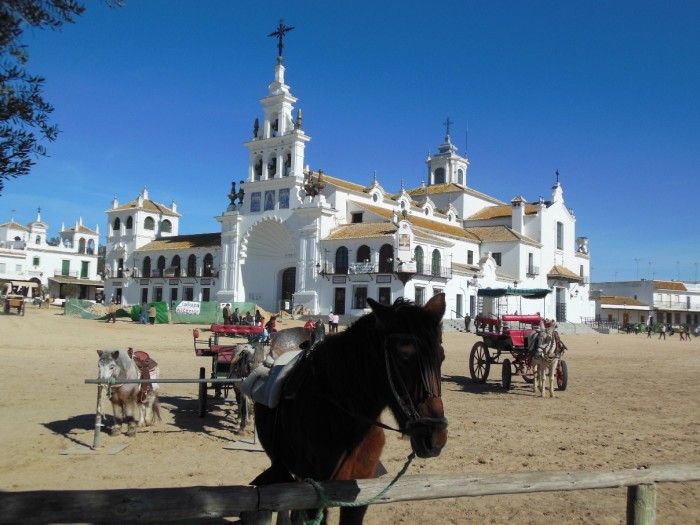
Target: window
146, 267
341, 260
470, 257
18, 268
65, 267
360, 297
437, 263
3, 267
497, 257
420, 295
440, 176
384, 296
173, 295
166, 226
560, 236
117, 225
206, 294
158, 294
91, 247
81, 246
35, 261
356, 217
191, 268
161, 266
188, 293
460, 176
38, 239
129, 223
175, 264
208, 267
386, 258
363, 253
418, 256
149, 223
84, 269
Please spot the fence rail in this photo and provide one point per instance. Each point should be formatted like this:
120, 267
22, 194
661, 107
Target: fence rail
201, 503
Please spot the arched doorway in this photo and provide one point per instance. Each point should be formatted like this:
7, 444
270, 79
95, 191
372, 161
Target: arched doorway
289, 279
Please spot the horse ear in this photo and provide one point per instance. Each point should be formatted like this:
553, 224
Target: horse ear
379, 310
436, 305
115, 355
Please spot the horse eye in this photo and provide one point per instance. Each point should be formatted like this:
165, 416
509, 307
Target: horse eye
405, 350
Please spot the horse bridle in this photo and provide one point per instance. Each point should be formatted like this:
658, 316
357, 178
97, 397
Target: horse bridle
403, 399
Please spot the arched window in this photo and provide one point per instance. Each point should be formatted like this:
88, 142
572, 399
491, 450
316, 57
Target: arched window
117, 225
386, 258
149, 223
146, 267
166, 226
91, 247
440, 176
38, 239
341, 260
208, 265
175, 264
436, 264
460, 177
81, 245
129, 222
192, 266
418, 256
363, 253
161, 266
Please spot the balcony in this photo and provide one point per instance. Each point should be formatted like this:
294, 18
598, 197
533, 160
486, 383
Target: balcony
532, 271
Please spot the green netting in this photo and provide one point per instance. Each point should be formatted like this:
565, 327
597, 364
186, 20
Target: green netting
205, 312
86, 309
161, 312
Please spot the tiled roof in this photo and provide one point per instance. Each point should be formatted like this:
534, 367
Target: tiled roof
500, 212
343, 184
81, 229
450, 187
14, 226
627, 301
184, 242
466, 268
562, 272
670, 285
148, 205
424, 223
498, 234
362, 230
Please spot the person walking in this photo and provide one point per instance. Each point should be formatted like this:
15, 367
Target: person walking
112, 312
662, 332
649, 331
152, 313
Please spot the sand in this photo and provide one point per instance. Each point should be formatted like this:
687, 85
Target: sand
631, 401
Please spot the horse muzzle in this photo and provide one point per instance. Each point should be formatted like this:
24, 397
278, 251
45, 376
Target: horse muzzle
428, 435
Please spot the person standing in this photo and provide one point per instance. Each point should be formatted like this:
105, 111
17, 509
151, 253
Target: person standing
649, 331
143, 316
467, 323
336, 322
236, 317
662, 332
227, 313
152, 313
112, 312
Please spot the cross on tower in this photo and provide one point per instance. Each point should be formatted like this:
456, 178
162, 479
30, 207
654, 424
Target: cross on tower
279, 33
447, 124
557, 174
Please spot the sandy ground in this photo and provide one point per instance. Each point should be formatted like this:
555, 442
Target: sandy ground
631, 401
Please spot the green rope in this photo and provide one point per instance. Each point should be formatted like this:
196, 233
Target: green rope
325, 502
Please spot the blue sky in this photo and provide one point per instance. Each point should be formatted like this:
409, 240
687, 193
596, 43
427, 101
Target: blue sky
163, 94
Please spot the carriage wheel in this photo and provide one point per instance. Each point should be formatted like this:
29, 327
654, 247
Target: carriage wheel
202, 401
479, 362
562, 375
506, 374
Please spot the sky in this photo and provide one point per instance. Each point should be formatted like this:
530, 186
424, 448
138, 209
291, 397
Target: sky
163, 93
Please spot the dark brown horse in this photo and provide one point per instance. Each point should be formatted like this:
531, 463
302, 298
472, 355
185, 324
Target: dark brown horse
326, 426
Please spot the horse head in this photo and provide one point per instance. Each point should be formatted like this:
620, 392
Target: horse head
413, 356
108, 364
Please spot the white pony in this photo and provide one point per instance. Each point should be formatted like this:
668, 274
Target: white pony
133, 404
545, 359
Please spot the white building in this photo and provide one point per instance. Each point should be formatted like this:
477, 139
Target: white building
293, 235
30, 262
671, 302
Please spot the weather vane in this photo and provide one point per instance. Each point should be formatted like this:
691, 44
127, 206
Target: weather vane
447, 124
279, 33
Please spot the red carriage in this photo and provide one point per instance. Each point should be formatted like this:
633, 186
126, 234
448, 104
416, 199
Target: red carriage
509, 336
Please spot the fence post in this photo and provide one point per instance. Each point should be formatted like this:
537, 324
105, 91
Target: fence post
641, 504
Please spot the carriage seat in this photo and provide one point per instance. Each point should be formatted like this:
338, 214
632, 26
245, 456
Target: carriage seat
264, 385
236, 329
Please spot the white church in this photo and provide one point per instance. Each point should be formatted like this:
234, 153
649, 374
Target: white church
294, 237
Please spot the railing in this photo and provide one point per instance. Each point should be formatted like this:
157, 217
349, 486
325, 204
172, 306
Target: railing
190, 504
61, 273
532, 271
443, 272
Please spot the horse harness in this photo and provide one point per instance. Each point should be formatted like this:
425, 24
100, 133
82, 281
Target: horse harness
145, 366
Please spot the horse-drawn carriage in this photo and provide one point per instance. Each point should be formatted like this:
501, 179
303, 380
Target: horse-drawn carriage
228, 361
14, 302
514, 336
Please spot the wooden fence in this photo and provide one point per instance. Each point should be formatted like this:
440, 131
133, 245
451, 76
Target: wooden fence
210, 504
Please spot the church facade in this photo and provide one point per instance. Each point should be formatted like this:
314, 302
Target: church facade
295, 237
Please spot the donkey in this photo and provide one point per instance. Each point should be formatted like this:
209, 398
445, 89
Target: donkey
133, 404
